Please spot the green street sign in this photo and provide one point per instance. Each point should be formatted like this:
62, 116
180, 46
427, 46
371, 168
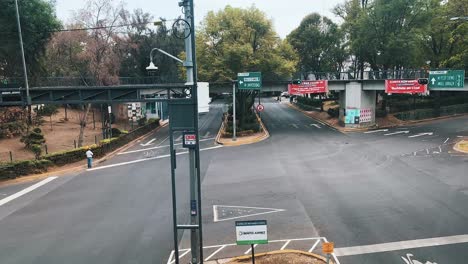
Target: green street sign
249, 80
447, 79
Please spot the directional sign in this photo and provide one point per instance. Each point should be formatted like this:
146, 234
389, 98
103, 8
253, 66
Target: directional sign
447, 79
249, 80
260, 108
251, 232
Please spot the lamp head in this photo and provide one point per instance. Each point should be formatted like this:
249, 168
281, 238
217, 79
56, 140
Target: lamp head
151, 67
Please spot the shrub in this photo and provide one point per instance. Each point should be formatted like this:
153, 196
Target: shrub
115, 132
380, 113
23, 167
333, 112
309, 101
152, 120
34, 137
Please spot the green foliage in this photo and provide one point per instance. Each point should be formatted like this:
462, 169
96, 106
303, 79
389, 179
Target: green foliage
12, 129
33, 137
236, 40
23, 167
48, 110
333, 112
309, 101
380, 113
153, 120
320, 44
116, 132
37, 21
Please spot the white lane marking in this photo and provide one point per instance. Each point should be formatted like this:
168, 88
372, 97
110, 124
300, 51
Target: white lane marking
179, 138
25, 191
183, 254
285, 245
375, 131
294, 125
158, 147
440, 149
400, 245
147, 159
214, 253
170, 257
446, 140
317, 126
248, 251
148, 143
315, 244
427, 151
207, 134
422, 134
396, 133
216, 217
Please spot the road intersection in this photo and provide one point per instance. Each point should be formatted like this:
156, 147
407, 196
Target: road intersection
367, 192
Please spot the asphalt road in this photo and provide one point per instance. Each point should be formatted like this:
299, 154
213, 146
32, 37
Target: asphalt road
307, 180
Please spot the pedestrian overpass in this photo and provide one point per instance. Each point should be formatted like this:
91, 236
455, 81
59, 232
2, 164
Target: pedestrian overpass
356, 95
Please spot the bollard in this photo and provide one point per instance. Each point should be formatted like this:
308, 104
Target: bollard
46, 151
95, 139
11, 157
74, 143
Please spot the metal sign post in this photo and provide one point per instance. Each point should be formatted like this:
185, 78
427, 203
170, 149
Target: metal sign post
234, 110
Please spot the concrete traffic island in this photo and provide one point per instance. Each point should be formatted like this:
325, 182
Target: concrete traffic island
277, 257
242, 140
461, 146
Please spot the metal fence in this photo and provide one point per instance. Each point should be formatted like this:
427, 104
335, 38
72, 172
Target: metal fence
430, 113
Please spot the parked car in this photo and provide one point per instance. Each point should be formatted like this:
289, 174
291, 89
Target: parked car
285, 94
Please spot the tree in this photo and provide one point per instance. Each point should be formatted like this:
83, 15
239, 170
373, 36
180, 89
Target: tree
137, 45
237, 40
38, 20
320, 45
34, 140
48, 110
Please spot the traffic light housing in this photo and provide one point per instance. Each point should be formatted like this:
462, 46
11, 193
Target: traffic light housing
423, 81
297, 81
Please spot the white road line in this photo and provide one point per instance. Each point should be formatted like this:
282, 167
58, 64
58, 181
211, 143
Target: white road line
214, 253
149, 142
440, 149
422, 134
170, 257
216, 219
317, 126
446, 140
158, 147
427, 151
147, 159
179, 138
375, 131
215, 213
25, 191
181, 256
395, 133
207, 134
248, 251
392, 246
315, 244
294, 125
285, 245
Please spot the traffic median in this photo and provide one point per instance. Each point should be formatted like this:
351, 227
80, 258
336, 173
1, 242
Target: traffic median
243, 138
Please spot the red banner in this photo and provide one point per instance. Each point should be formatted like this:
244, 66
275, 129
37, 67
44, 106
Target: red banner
404, 86
308, 87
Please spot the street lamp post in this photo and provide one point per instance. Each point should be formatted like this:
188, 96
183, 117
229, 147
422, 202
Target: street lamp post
196, 239
26, 83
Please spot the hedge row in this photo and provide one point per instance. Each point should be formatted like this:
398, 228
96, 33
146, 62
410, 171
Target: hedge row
309, 101
306, 107
25, 167
430, 113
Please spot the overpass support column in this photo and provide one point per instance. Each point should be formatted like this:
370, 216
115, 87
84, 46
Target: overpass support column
357, 107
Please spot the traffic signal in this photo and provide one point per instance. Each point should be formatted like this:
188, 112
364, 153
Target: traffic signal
297, 81
423, 81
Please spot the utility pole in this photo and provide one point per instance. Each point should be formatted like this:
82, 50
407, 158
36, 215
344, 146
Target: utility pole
26, 83
234, 110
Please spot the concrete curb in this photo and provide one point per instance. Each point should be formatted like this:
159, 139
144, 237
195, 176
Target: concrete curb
277, 252
240, 141
458, 148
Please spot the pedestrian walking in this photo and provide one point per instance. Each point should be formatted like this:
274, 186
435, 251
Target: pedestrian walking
89, 156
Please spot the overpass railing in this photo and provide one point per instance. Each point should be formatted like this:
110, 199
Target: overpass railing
369, 75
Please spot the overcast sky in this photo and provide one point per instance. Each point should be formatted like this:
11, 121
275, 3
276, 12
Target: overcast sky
286, 14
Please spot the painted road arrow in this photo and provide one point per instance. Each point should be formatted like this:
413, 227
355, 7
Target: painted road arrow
422, 134
396, 133
375, 131
148, 143
229, 212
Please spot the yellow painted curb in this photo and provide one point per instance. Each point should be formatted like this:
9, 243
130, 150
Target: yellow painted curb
239, 140
461, 146
277, 252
